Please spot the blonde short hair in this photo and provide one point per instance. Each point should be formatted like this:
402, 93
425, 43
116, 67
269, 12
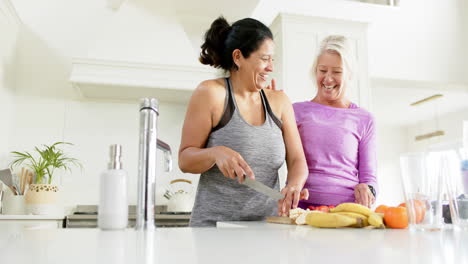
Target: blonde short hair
340, 45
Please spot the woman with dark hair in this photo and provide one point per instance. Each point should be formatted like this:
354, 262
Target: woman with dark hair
234, 129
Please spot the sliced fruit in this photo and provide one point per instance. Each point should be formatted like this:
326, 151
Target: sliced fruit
322, 208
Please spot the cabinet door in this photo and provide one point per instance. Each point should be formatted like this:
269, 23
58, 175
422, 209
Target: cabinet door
298, 39
299, 57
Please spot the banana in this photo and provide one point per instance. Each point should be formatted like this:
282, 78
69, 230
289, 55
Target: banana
363, 218
376, 219
352, 207
330, 220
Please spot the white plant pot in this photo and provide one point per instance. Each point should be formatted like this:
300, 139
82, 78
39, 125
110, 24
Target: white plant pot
41, 199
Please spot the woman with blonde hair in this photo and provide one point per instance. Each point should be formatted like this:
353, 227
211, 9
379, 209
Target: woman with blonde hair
338, 137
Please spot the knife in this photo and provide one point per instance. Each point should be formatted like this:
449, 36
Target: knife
262, 188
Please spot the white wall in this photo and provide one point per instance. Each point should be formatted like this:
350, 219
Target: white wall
9, 30
390, 144
92, 127
463, 10
420, 40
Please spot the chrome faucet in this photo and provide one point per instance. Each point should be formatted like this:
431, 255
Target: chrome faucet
149, 143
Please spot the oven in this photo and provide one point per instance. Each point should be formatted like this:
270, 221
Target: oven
85, 216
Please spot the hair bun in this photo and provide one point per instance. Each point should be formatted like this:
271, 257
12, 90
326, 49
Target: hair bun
221, 40
212, 49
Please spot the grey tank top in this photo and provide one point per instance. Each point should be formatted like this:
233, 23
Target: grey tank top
223, 199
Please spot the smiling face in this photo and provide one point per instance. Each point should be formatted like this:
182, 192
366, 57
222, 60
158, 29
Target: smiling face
329, 77
256, 68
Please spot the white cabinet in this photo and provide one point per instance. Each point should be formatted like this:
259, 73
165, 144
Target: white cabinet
297, 41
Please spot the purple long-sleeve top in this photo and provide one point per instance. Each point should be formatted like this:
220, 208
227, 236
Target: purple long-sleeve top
340, 148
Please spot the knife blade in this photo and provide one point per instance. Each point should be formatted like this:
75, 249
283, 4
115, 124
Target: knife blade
262, 188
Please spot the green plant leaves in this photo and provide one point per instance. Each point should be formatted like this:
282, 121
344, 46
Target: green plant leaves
50, 158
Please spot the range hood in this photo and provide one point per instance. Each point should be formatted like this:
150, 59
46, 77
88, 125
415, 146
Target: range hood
141, 51
117, 80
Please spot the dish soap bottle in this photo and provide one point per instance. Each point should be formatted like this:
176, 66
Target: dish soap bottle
113, 205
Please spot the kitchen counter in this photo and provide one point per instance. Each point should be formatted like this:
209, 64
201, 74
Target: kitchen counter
32, 217
232, 242
32, 221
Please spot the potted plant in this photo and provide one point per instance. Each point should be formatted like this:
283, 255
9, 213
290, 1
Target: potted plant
41, 197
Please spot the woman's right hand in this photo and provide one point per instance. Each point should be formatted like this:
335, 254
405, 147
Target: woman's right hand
231, 163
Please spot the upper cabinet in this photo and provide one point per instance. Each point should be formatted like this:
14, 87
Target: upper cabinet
297, 41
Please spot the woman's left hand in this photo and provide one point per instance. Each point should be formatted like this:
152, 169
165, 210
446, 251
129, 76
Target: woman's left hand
292, 195
363, 195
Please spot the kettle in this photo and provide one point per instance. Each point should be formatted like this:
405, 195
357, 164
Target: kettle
180, 196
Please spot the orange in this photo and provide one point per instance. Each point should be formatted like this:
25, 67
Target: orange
396, 217
381, 209
419, 209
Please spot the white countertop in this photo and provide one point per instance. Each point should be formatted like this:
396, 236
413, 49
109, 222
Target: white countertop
234, 242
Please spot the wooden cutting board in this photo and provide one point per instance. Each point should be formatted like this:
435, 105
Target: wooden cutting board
280, 220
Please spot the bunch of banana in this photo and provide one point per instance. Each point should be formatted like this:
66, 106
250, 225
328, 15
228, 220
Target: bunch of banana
332, 220
346, 215
363, 218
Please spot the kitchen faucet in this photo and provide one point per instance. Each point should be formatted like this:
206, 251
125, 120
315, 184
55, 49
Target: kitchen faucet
149, 143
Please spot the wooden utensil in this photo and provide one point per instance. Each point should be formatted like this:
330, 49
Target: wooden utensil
280, 220
28, 180
22, 180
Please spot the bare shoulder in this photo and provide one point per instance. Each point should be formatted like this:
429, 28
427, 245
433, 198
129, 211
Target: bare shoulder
210, 86
210, 90
278, 100
276, 96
